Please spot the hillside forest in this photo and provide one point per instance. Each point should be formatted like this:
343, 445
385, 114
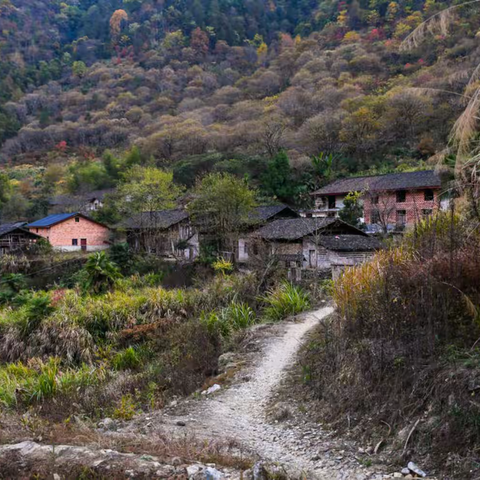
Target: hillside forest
89, 89
222, 106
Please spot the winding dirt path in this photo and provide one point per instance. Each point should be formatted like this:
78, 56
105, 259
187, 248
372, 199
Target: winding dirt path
239, 412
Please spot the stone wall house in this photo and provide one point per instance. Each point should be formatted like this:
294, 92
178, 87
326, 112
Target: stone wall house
258, 217
72, 232
315, 243
390, 202
85, 203
167, 233
15, 238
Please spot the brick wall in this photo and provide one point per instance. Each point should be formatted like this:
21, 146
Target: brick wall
61, 235
387, 206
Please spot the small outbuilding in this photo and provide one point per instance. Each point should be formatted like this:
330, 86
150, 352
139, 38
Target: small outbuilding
14, 237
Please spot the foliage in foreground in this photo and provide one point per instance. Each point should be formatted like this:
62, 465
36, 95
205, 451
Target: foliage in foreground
404, 342
128, 348
285, 300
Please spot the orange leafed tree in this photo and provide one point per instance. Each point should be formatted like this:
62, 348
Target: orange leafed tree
116, 22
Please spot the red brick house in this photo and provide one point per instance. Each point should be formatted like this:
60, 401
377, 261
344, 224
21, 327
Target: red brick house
390, 202
72, 231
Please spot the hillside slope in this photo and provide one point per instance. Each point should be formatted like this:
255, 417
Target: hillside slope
176, 84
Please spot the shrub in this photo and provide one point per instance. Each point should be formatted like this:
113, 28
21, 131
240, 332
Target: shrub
121, 255
100, 273
235, 316
239, 315
37, 307
127, 408
38, 381
285, 300
223, 266
128, 359
403, 339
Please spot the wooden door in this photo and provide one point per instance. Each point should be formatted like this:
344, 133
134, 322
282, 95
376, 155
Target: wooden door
83, 244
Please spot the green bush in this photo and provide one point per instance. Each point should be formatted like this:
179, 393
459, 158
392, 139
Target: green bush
100, 273
284, 301
128, 359
42, 380
235, 316
37, 306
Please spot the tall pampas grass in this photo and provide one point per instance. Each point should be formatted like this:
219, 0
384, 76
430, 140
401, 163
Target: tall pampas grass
437, 24
463, 141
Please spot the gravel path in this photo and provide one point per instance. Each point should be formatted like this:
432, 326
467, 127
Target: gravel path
239, 412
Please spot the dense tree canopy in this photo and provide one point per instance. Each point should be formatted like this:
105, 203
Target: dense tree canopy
202, 86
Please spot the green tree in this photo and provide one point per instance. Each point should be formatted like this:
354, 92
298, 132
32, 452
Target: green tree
147, 189
222, 206
278, 180
5, 190
352, 210
79, 69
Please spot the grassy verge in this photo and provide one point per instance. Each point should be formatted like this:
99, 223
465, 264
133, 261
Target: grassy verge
128, 349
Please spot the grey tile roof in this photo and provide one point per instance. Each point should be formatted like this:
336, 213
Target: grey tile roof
392, 181
17, 227
349, 243
71, 200
293, 229
263, 213
161, 220
10, 227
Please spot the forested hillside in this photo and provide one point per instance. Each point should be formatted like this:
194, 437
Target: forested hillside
216, 84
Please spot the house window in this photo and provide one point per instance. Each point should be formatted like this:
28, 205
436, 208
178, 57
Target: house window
426, 212
401, 196
36, 230
375, 217
245, 248
375, 199
331, 202
428, 195
77, 219
401, 217
74, 242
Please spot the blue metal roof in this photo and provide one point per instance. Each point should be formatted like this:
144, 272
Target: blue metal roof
51, 220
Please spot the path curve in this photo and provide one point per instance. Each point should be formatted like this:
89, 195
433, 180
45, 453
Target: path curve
239, 412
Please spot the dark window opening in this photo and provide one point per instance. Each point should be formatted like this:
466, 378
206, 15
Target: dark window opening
429, 195
74, 242
375, 199
245, 248
426, 212
331, 202
375, 217
401, 217
401, 196
77, 219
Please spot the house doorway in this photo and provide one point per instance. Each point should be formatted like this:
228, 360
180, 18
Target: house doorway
83, 244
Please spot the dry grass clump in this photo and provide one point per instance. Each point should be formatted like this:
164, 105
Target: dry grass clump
404, 341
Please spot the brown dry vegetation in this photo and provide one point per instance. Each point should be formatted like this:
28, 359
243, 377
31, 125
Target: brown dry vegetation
401, 353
